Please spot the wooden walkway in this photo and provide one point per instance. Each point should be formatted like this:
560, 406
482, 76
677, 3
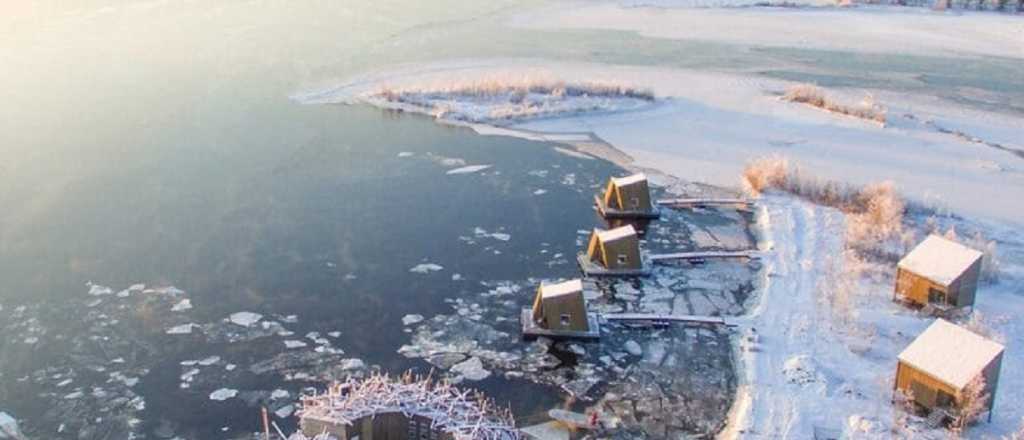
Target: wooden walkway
698, 202
703, 255
654, 317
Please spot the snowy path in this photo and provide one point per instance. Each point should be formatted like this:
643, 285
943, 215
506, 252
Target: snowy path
804, 240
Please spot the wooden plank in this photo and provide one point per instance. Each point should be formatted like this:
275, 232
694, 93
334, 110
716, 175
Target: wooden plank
714, 320
530, 329
611, 213
592, 269
702, 255
702, 201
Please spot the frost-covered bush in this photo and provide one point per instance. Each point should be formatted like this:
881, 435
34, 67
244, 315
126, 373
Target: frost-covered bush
875, 211
814, 96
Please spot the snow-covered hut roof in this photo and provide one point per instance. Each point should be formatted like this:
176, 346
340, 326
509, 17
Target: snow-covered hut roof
563, 288
629, 180
615, 234
939, 259
950, 353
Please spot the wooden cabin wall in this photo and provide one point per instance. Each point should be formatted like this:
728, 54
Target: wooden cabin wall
629, 247
914, 287
311, 428
968, 284
572, 305
906, 374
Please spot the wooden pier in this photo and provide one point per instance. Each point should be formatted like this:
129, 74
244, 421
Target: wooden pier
702, 202
654, 317
703, 255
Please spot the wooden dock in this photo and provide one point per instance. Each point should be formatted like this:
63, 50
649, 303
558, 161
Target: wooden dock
592, 269
612, 213
701, 202
703, 255
531, 330
654, 317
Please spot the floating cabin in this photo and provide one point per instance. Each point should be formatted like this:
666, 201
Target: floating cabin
626, 197
937, 367
614, 252
384, 408
560, 311
939, 273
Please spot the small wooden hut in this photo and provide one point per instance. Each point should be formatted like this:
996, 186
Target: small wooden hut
614, 252
626, 197
939, 273
937, 367
560, 310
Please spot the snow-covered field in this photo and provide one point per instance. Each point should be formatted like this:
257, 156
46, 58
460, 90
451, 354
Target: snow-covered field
807, 369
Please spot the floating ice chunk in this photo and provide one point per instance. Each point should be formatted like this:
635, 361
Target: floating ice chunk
456, 277
468, 169
245, 319
290, 319
294, 343
634, 348
183, 329
230, 367
74, 395
136, 287
31, 340
182, 305
284, 411
540, 192
501, 236
64, 383
334, 334
411, 319
279, 394
9, 426
170, 290
471, 369
209, 361
426, 268
223, 394
352, 364
406, 154
97, 290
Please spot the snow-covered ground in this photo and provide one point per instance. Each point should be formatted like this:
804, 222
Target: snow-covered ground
808, 368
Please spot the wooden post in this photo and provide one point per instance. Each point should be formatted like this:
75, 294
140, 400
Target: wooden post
266, 423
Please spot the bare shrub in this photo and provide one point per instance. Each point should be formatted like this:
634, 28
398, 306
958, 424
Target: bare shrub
990, 263
875, 211
814, 96
519, 87
984, 325
973, 402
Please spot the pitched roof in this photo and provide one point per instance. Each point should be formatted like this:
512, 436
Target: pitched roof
615, 234
629, 180
939, 259
950, 353
563, 288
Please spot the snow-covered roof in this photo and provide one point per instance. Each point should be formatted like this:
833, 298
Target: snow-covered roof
615, 234
950, 353
939, 259
629, 180
563, 288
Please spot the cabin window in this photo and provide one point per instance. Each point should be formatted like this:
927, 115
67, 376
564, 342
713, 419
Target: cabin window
936, 296
564, 319
943, 399
623, 259
635, 201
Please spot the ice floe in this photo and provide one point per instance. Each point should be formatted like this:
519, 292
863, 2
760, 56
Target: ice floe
468, 169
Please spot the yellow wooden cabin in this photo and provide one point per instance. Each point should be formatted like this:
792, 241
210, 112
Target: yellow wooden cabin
627, 197
940, 273
937, 367
615, 249
561, 307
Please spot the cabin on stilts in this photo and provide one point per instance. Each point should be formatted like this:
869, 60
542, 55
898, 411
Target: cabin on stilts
940, 274
626, 198
380, 407
614, 252
560, 311
937, 370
